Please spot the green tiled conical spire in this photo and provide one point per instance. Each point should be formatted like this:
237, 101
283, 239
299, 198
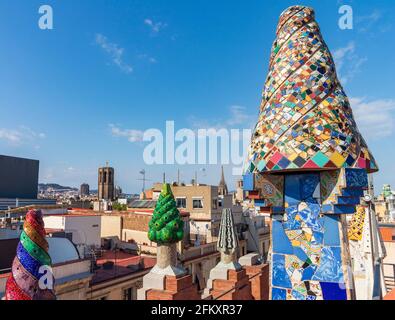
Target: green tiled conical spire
166, 225
305, 121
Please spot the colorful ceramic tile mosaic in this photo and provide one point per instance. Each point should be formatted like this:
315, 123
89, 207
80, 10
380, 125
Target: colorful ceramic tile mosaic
306, 247
305, 120
330, 186
271, 187
32, 255
306, 124
356, 225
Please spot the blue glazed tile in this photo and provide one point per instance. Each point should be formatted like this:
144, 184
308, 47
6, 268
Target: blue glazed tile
28, 262
297, 295
327, 208
279, 294
331, 235
338, 209
277, 210
330, 268
349, 192
308, 273
292, 189
318, 238
333, 291
297, 251
281, 243
347, 209
259, 203
284, 162
310, 184
280, 277
356, 178
248, 182
348, 200
292, 223
300, 187
310, 216
353, 192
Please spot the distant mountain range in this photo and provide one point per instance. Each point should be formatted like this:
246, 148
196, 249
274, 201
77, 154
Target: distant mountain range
42, 187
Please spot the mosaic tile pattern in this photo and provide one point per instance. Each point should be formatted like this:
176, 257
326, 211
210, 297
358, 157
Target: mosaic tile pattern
331, 182
356, 225
306, 248
305, 121
32, 254
342, 189
271, 187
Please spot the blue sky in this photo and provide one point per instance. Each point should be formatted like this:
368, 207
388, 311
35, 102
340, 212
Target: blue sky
81, 94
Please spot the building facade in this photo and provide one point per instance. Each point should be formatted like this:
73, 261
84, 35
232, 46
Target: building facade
19, 178
106, 188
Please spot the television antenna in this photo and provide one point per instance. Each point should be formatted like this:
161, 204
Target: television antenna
144, 179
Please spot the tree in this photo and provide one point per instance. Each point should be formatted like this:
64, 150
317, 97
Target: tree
116, 206
166, 225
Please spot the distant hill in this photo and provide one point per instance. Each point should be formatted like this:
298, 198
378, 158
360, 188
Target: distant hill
54, 186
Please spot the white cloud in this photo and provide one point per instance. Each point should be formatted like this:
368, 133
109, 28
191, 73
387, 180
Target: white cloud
114, 51
66, 174
147, 58
366, 22
48, 174
238, 117
131, 134
21, 135
375, 118
155, 27
348, 62
11, 136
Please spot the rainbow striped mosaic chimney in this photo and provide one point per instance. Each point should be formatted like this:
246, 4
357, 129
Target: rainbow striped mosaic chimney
27, 268
307, 164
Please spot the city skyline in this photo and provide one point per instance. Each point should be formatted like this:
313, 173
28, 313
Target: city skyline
84, 93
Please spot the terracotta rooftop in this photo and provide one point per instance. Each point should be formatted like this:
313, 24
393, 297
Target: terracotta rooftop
52, 230
390, 295
75, 214
121, 262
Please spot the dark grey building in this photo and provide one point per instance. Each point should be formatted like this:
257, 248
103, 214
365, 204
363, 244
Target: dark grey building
18, 178
84, 190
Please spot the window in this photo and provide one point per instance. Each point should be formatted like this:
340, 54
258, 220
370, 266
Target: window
197, 203
181, 203
220, 203
128, 294
215, 204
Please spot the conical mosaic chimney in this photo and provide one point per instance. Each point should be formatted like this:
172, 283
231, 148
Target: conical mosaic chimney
305, 121
32, 255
